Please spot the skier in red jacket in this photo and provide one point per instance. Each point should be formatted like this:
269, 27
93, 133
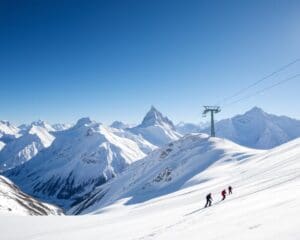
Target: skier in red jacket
223, 193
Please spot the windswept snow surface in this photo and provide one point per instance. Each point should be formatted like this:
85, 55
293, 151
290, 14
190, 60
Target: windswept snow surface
258, 129
265, 203
24, 148
156, 129
80, 158
15, 202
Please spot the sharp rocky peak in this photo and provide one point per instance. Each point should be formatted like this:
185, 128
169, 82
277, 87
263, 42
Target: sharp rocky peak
155, 117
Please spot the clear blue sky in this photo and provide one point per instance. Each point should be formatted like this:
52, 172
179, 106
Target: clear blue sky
111, 60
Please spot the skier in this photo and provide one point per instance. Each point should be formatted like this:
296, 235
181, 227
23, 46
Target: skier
208, 200
229, 190
223, 193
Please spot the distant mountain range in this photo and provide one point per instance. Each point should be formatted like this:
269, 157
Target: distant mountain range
83, 157
255, 129
258, 129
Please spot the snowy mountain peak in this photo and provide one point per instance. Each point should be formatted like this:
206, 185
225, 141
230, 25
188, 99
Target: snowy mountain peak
6, 128
255, 111
119, 125
43, 124
4, 122
156, 129
155, 117
61, 126
83, 121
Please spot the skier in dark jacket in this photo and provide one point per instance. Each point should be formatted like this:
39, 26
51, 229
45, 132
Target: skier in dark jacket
223, 193
229, 190
208, 200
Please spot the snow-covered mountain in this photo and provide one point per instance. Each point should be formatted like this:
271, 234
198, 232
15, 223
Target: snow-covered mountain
15, 202
166, 170
258, 129
156, 129
24, 148
120, 125
39, 123
50, 128
79, 159
7, 128
8, 131
44, 125
188, 128
61, 126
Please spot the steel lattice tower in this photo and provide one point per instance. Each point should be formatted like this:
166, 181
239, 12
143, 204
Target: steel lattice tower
212, 110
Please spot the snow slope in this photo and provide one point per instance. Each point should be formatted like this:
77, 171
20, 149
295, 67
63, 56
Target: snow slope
265, 205
24, 148
15, 202
258, 129
165, 170
80, 158
156, 129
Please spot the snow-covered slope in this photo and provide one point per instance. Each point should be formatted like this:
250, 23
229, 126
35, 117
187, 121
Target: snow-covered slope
257, 129
265, 203
24, 148
143, 144
156, 129
166, 170
80, 158
15, 202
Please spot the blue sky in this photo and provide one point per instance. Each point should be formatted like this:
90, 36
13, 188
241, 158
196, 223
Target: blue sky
112, 60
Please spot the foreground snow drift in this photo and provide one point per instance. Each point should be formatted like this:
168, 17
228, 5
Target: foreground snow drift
15, 202
265, 205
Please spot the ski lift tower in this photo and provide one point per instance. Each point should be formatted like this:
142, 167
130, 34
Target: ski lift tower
212, 110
